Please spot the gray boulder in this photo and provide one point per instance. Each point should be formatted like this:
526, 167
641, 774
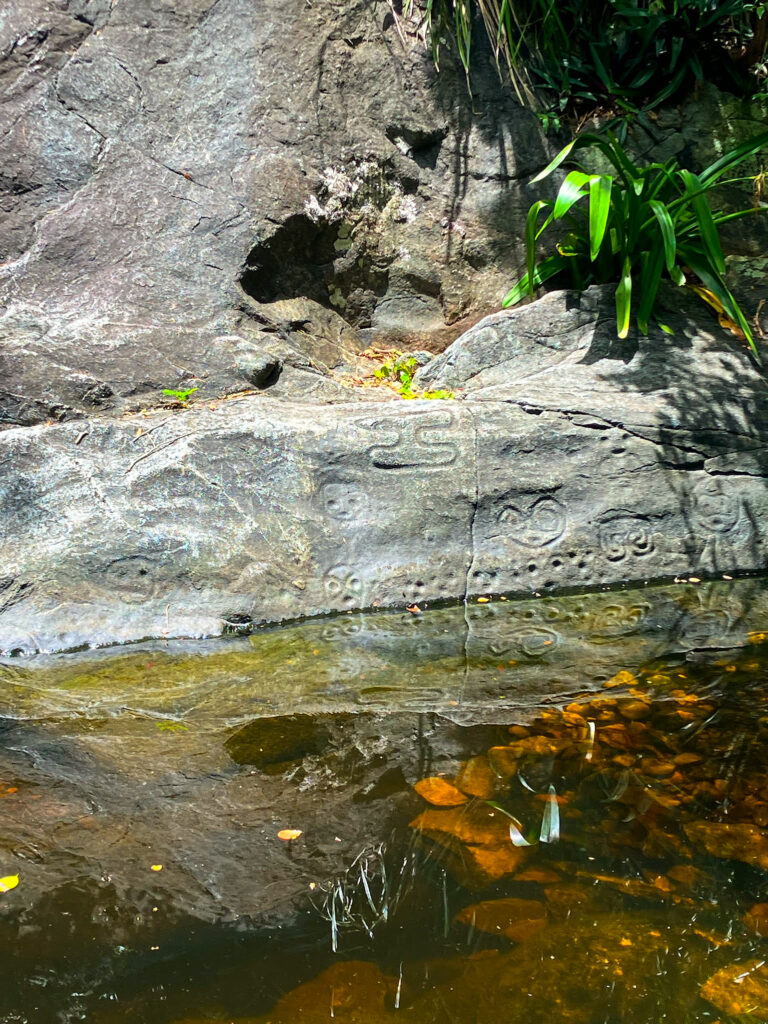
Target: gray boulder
171, 172
568, 459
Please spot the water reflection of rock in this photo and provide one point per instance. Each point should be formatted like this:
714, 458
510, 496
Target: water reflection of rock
554, 976
194, 757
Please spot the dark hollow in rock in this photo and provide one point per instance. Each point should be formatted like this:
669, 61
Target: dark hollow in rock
262, 371
296, 260
273, 741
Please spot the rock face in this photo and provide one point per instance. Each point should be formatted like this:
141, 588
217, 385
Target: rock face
169, 171
568, 460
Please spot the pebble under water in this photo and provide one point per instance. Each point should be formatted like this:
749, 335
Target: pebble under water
518, 812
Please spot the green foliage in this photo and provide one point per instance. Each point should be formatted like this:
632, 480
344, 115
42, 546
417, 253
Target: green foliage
179, 395
400, 372
632, 226
624, 54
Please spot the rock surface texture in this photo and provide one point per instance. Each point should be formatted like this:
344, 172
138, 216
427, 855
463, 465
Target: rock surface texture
568, 459
170, 171
238, 198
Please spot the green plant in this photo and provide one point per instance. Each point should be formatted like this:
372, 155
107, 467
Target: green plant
637, 224
400, 372
623, 54
179, 395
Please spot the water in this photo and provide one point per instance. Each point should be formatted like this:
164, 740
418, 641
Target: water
142, 792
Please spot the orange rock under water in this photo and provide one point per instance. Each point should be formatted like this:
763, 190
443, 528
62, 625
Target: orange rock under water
740, 989
738, 841
440, 792
515, 919
477, 778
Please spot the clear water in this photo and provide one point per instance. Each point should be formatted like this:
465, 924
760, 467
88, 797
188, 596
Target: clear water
142, 793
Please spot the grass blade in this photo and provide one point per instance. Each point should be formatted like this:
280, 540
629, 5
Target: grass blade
546, 269
550, 821
600, 187
570, 192
733, 157
531, 235
650, 278
706, 225
624, 299
667, 228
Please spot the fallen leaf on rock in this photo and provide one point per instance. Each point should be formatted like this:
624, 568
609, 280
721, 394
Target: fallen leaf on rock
543, 876
8, 882
288, 834
440, 792
486, 864
480, 826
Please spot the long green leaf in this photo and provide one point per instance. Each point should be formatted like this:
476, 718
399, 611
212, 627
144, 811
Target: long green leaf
734, 156
624, 299
546, 269
612, 150
571, 191
667, 232
531, 222
707, 228
600, 187
650, 278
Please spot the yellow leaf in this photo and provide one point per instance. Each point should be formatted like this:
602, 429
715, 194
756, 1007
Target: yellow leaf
289, 833
8, 883
156, 867
709, 297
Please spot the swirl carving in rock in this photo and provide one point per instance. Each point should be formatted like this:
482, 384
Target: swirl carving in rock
625, 536
537, 525
419, 441
343, 584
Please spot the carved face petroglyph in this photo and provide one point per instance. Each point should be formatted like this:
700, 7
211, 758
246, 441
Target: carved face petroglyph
535, 525
717, 511
343, 501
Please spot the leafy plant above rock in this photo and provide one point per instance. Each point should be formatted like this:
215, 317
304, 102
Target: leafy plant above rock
637, 224
624, 54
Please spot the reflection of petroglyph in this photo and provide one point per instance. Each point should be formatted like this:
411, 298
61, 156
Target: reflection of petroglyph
539, 524
414, 442
617, 620
343, 501
624, 535
533, 641
339, 630
706, 626
343, 584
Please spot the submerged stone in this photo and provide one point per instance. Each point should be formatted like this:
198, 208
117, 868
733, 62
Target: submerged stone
516, 919
737, 841
740, 990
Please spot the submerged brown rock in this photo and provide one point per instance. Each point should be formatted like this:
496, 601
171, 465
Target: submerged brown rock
737, 841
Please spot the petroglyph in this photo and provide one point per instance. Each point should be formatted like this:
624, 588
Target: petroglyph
536, 525
417, 441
